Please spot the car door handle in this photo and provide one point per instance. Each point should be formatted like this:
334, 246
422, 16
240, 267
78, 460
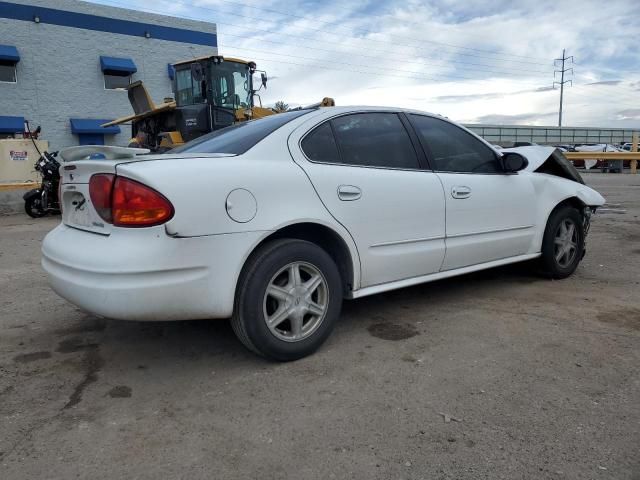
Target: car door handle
461, 192
348, 193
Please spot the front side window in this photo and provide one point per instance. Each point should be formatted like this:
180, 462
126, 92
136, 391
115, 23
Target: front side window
452, 149
8, 72
116, 82
374, 140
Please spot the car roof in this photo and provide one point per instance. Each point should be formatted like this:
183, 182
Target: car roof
369, 108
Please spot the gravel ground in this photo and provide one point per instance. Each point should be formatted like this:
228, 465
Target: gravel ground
499, 374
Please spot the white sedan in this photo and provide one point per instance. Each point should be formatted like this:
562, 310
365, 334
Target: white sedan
274, 222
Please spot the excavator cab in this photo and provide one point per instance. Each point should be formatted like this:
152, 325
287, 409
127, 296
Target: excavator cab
212, 93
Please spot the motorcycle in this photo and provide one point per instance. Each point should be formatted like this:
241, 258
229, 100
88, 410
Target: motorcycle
44, 200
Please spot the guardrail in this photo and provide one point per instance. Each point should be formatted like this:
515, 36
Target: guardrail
633, 156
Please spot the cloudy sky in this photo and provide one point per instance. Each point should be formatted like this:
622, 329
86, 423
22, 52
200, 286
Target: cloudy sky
470, 60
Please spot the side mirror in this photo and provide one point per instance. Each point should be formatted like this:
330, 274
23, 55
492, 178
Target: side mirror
513, 162
263, 77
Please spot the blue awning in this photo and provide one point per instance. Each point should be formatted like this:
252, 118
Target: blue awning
9, 54
92, 125
117, 66
11, 124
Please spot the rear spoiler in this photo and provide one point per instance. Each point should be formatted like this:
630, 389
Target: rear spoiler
107, 152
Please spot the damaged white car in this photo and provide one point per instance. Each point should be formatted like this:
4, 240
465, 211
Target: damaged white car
274, 222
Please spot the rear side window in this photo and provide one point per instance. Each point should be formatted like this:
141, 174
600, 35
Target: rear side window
374, 140
320, 146
453, 149
238, 138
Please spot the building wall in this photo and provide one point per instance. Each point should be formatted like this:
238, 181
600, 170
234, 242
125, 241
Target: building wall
59, 75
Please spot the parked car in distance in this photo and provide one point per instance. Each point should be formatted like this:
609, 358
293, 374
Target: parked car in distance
274, 222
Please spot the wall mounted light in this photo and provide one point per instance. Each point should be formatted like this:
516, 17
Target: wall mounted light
36, 18
147, 35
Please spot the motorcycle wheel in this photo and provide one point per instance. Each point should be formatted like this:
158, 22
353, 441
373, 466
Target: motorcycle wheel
33, 207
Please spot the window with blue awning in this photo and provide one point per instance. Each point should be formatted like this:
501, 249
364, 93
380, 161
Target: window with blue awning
122, 67
84, 126
9, 54
11, 124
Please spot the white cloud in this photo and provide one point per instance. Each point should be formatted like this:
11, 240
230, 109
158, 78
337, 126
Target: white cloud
383, 53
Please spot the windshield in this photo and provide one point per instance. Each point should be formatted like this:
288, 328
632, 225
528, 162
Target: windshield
231, 85
238, 138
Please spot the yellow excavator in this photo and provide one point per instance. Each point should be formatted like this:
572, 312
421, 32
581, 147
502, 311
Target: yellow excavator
210, 93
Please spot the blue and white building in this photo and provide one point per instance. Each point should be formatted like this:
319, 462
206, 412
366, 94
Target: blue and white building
64, 63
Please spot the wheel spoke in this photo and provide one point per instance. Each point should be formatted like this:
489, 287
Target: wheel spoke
563, 229
558, 241
570, 231
277, 292
294, 275
312, 284
278, 317
559, 254
296, 325
315, 309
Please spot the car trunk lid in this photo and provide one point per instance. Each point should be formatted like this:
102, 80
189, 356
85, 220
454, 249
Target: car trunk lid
81, 163
78, 166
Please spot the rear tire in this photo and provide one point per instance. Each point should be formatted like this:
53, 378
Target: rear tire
288, 299
33, 207
563, 243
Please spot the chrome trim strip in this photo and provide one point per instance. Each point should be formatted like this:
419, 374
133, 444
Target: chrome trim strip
509, 229
403, 242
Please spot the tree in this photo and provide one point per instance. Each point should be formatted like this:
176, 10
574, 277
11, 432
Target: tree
280, 106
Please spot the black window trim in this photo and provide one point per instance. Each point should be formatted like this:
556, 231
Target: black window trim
429, 154
399, 113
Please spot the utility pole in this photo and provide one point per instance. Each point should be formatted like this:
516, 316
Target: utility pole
562, 80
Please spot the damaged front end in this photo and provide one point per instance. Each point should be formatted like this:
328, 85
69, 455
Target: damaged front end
557, 164
549, 160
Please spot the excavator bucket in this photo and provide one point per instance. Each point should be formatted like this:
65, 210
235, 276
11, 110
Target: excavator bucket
142, 105
140, 98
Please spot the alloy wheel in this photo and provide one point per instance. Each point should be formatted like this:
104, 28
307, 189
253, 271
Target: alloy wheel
566, 243
295, 301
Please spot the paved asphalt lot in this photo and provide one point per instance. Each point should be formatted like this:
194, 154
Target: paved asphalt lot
499, 374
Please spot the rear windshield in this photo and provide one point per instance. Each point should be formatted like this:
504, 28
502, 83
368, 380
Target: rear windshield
240, 137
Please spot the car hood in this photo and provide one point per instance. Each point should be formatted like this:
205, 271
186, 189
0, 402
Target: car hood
547, 160
535, 154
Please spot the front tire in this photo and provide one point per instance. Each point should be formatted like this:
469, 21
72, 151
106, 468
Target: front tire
288, 300
33, 207
563, 243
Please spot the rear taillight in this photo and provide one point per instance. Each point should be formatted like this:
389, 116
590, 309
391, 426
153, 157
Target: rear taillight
136, 205
127, 203
100, 191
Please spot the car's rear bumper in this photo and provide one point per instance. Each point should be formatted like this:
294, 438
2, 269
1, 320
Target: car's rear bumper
143, 274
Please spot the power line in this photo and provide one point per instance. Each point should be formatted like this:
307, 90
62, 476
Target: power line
226, 45
244, 37
410, 61
323, 66
301, 17
272, 32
